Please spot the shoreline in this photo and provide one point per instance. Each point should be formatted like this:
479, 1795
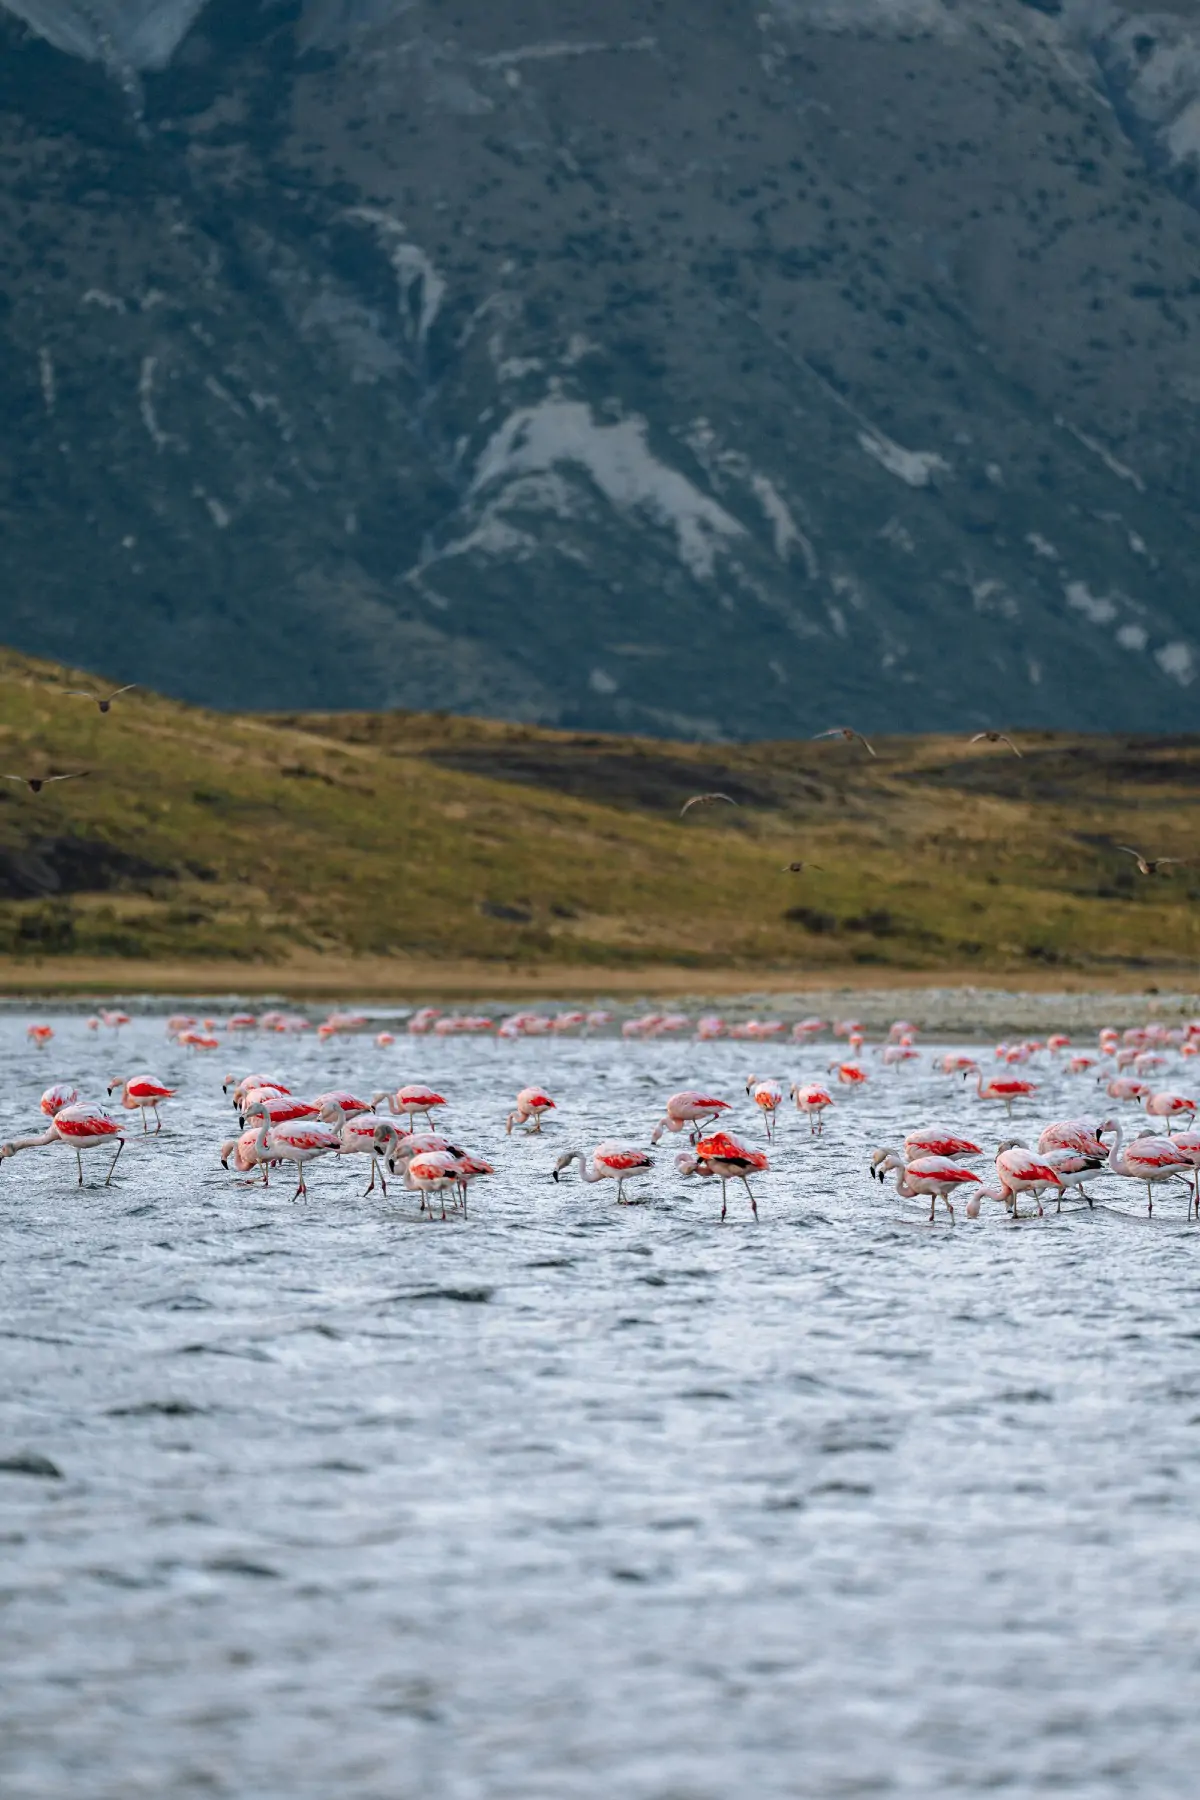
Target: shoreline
952, 1000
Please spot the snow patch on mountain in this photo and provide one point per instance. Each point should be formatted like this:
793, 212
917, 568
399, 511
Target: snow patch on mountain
143, 34
560, 433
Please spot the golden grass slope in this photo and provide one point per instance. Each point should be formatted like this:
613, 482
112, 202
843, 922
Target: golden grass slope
286, 841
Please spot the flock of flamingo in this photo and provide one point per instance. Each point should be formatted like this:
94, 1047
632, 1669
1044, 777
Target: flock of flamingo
395, 1127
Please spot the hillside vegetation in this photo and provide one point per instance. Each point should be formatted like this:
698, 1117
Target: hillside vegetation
295, 840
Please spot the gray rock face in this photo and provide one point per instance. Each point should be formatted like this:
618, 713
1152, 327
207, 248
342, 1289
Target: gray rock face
702, 368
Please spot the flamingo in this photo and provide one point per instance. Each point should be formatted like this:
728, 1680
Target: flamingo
935, 1176
339, 1105
849, 1073
238, 1086
83, 1127
468, 1168
143, 1092
281, 1109
934, 1140
1148, 1159
294, 1140
1078, 1135
953, 1064
1006, 1088
729, 1160
812, 1098
410, 1100
768, 1097
610, 1161
360, 1137
432, 1172
532, 1102
245, 1154
1170, 1106
39, 1035
56, 1097
1123, 1087
400, 1148
1020, 1172
691, 1106
1187, 1143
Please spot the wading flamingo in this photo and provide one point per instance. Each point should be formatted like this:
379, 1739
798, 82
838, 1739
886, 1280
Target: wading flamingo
39, 1035
360, 1137
768, 1097
244, 1152
410, 1100
849, 1073
1149, 1159
1020, 1172
934, 1176
811, 1098
691, 1106
55, 1098
143, 1093
610, 1161
723, 1156
1171, 1106
296, 1141
83, 1127
532, 1102
281, 1109
431, 1172
1006, 1088
1187, 1143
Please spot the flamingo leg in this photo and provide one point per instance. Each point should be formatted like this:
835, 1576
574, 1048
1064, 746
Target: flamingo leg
145, 1127
949, 1207
157, 1122
79, 1165
1149, 1201
932, 1206
722, 1196
753, 1201
112, 1165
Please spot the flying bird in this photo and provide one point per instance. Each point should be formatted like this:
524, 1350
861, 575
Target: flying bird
706, 800
995, 737
1149, 865
847, 732
103, 701
798, 868
35, 783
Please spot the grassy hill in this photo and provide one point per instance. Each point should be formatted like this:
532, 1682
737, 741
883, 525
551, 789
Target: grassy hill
301, 842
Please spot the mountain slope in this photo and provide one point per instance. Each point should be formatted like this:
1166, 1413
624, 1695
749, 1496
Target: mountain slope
715, 370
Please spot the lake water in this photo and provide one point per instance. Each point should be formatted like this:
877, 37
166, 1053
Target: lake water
574, 1499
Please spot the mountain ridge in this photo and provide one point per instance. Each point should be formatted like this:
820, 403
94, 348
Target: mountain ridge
712, 375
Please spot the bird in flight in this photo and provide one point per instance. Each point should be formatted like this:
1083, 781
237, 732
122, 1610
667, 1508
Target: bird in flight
103, 701
1149, 865
847, 732
35, 783
706, 800
798, 868
995, 737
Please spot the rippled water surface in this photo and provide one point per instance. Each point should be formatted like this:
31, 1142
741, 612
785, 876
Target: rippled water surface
572, 1499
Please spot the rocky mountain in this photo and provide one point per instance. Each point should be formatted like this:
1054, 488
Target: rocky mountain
712, 367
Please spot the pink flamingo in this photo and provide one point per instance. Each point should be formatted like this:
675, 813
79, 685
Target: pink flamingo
807, 1028
143, 1093
410, 1100
281, 1109
1187, 1143
55, 1098
768, 1097
811, 1098
40, 1034
1020, 1172
1148, 1159
1076, 1134
610, 1161
1170, 1106
1058, 1040
935, 1140
360, 1137
83, 1127
953, 1064
935, 1176
399, 1149
239, 1086
728, 1159
1123, 1087
429, 1173
532, 1102
296, 1141
244, 1152
1081, 1062
849, 1073
691, 1106
384, 1039
337, 1105
1006, 1088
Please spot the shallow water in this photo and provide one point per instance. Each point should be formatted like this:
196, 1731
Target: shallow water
579, 1500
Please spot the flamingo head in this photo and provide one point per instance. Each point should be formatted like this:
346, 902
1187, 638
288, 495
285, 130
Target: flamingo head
1011, 1144
563, 1162
882, 1161
113, 1086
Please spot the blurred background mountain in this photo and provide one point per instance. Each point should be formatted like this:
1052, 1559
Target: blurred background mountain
708, 367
